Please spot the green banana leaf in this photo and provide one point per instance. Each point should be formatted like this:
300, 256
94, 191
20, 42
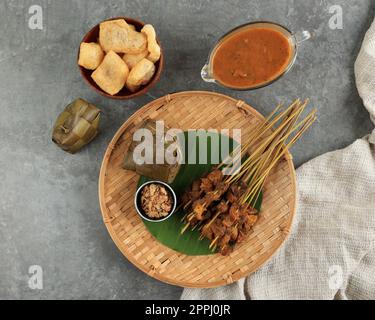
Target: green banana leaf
169, 232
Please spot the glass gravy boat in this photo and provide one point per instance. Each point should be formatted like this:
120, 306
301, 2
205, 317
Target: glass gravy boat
295, 39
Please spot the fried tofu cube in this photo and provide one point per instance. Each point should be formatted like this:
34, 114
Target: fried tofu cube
140, 75
132, 59
153, 47
90, 55
112, 73
118, 36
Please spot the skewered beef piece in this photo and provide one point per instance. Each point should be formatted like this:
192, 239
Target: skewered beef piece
216, 207
249, 222
249, 210
241, 236
206, 185
232, 217
234, 233
213, 230
231, 226
199, 208
236, 191
193, 194
194, 221
211, 197
231, 197
215, 177
222, 188
222, 207
234, 212
224, 240
207, 232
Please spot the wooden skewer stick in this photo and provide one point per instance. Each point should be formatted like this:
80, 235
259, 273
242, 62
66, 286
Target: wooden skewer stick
214, 242
266, 145
290, 115
185, 228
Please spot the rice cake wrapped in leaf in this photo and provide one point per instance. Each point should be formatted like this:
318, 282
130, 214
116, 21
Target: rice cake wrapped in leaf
76, 126
163, 172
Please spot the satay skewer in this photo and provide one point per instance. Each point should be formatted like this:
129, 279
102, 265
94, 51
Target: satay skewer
265, 146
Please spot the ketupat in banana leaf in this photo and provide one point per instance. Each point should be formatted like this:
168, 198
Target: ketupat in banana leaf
76, 126
164, 172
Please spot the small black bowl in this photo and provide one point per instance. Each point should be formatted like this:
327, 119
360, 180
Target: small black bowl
138, 206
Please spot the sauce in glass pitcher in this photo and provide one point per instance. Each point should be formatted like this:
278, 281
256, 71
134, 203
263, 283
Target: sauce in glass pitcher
251, 57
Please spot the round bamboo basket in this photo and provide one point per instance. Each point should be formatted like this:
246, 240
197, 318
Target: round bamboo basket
193, 110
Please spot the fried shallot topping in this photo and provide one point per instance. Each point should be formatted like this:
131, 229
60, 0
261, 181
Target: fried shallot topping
156, 201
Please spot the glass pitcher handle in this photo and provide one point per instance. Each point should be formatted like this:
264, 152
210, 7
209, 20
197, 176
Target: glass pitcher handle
303, 36
205, 74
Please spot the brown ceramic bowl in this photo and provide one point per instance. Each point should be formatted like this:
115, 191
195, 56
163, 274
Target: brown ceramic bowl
93, 36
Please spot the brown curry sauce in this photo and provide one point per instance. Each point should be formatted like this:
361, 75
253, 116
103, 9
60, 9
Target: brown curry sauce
251, 57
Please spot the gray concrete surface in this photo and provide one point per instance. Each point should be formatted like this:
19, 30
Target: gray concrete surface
49, 212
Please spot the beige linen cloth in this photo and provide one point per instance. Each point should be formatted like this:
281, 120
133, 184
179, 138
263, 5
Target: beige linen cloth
330, 253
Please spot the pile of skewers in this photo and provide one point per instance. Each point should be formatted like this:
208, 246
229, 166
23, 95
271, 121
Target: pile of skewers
221, 204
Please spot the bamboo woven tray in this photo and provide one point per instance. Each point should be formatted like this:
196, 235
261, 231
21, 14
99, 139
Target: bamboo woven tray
193, 110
